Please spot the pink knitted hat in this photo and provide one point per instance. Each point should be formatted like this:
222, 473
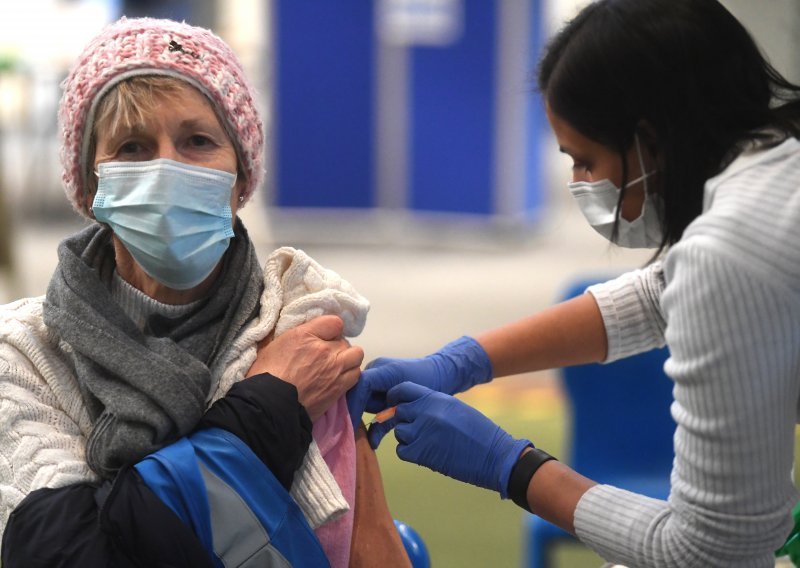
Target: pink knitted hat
147, 46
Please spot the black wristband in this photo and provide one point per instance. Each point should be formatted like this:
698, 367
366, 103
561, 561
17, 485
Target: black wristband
521, 475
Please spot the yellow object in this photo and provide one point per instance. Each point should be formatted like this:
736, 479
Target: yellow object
384, 415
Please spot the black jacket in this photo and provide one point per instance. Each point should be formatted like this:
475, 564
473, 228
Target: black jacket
124, 524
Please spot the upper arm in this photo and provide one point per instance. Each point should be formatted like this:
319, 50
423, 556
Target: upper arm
735, 349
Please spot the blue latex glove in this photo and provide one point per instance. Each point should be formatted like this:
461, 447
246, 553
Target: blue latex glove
448, 436
456, 367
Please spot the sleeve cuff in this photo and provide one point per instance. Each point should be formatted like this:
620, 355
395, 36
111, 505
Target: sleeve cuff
265, 413
631, 311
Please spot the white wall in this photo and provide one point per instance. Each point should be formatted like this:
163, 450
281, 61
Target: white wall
775, 25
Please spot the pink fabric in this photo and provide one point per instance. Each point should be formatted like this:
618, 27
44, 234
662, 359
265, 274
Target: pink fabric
334, 435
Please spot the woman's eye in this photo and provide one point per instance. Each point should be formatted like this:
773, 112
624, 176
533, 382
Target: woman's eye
130, 147
199, 140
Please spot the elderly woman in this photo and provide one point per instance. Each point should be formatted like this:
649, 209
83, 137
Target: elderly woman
130, 436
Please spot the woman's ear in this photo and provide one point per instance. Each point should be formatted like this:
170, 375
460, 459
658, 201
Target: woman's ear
649, 141
238, 189
88, 200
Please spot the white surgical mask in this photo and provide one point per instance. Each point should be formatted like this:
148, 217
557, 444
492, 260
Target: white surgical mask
598, 200
174, 218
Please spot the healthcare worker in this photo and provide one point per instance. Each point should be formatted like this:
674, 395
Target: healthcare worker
683, 139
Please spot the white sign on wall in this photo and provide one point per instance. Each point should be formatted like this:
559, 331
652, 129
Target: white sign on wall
420, 22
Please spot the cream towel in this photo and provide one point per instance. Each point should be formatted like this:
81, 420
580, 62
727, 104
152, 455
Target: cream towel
298, 289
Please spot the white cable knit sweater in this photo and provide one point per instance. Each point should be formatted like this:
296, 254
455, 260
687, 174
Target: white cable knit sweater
44, 423
726, 300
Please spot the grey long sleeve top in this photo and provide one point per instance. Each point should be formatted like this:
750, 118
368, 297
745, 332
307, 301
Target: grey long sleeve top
726, 300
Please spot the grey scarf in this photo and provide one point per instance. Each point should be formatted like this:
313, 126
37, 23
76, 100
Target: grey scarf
144, 389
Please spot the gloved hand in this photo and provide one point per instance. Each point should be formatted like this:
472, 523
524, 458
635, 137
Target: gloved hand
456, 367
446, 435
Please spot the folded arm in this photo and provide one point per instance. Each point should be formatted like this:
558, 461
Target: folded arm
258, 425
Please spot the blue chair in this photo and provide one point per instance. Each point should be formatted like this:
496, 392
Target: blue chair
620, 431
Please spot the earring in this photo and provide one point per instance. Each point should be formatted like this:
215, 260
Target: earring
241, 199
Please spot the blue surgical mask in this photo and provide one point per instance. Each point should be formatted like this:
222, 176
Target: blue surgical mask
175, 219
598, 200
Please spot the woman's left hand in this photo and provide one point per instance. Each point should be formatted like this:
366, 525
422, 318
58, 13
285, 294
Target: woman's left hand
316, 359
448, 436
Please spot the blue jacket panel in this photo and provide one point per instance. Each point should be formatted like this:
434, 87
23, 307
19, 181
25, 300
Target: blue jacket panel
237, 508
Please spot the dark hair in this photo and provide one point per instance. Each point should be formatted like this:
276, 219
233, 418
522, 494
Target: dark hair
686, 68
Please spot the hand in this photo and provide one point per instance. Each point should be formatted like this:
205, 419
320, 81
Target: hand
444, 434
456, 367
315, 358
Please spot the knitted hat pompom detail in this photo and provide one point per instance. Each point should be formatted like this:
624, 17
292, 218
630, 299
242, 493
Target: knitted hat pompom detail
149, 46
